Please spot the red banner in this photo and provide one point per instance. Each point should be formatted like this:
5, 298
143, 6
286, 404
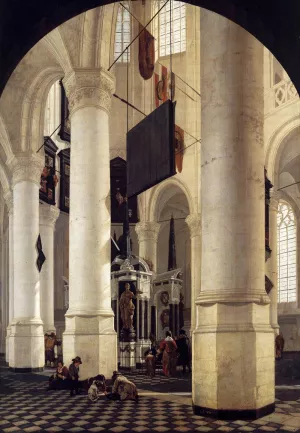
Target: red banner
146, 54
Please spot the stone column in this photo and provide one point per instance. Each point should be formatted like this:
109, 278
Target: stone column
272, 266
90, 330
48, 217
5, 291
194, 223
233, 368
26, 342
4, 296
8, 197
147, 232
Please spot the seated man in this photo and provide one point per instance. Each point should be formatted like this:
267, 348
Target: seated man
122, 388
56, 381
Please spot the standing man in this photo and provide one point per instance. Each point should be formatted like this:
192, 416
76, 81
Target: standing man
279, 345
184, 351
74, 375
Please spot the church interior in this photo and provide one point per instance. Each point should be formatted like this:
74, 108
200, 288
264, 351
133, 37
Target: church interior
208, 251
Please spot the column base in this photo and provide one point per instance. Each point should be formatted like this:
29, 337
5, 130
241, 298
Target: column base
26, 370
233, 360
49, 329
93, 339
234, 414
7, 344
26, 345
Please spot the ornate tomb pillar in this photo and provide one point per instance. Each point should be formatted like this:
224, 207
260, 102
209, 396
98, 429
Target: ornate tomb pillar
90, 330
26, 341
48, 217
272, 262
233, 359
147, 232
194, 223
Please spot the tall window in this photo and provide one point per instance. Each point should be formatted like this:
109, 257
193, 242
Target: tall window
123, 33
173, 12
286, 253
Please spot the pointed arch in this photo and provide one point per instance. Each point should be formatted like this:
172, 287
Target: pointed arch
159, 190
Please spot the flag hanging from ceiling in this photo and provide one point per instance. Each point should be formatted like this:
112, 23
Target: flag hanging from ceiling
164, 84
179, 147
41, 256
146, 54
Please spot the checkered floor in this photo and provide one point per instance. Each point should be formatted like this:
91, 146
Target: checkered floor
26, 406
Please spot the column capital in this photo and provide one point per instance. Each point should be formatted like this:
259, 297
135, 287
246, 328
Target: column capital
48, 215
194, 223
26, 167
147, 230
89, 88
8, 198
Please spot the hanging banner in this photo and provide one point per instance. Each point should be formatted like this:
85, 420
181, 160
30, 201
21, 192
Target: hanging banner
164, 84
146, 54
41, 256
161, 85
179, 147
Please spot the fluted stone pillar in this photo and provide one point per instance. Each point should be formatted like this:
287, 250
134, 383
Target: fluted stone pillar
147, 232
194, 223
90, 330
233, 371
8, 197
48, 217
272, 265
26, 342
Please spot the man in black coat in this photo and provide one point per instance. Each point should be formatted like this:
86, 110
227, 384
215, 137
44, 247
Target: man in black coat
74, 375
183, 348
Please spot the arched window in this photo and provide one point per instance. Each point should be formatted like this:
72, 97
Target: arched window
286, 253
123, 33
161, 27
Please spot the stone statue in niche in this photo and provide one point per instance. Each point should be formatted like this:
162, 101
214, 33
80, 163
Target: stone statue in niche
127, 307
165, 318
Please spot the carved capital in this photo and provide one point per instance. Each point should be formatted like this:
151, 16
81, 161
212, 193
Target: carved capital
26, 168
147, 231
8, 198
48, 215
89, 88
194, 223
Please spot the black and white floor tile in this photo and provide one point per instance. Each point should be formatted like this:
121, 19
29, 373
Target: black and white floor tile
26, 406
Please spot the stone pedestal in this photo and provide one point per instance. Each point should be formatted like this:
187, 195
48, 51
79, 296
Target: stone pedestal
26, 341
127, 354
48, 217
147, 232
90, 330
233, 344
